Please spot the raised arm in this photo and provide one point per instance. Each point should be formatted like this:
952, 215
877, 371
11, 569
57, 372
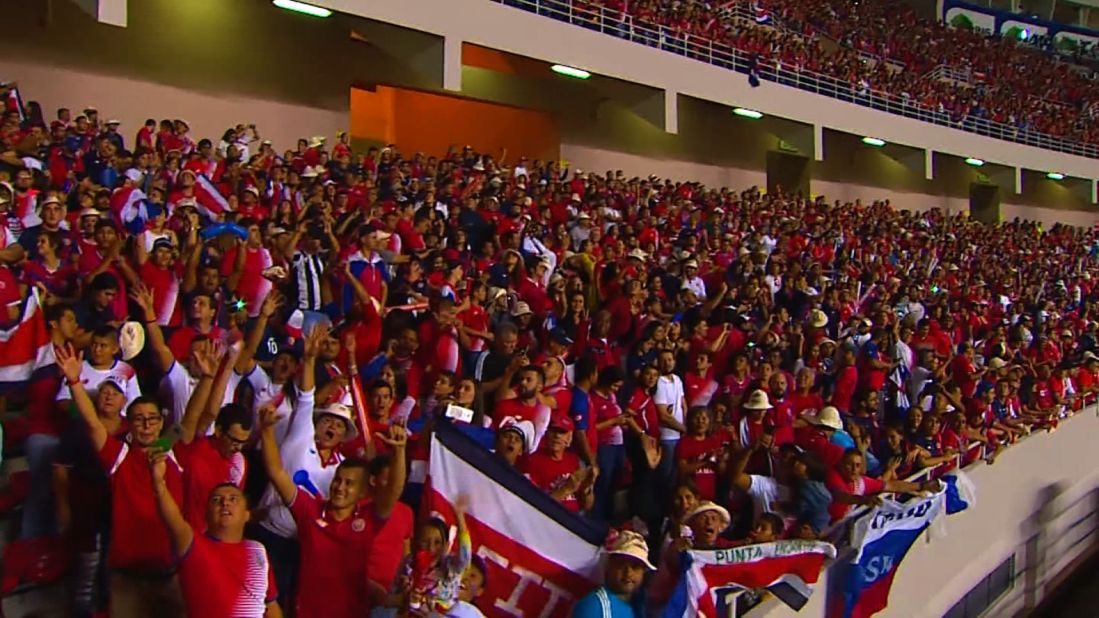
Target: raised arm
246, 360
396, 439
71, 362
143, 296
179, 531
233, 280
206, 359
193, 257
300, 431
224, 368
272, 460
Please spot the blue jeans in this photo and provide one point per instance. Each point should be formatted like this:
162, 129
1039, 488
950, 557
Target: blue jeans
39, 519
611, 459
666, 469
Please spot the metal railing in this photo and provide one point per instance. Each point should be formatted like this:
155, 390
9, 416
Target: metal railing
623, 26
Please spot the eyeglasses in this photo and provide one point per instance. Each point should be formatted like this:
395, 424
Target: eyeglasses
235, 441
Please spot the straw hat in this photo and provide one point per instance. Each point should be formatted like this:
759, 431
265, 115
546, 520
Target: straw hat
829, 416
818, 319
757, 401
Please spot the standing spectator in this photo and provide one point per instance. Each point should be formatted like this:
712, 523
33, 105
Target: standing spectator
220, 572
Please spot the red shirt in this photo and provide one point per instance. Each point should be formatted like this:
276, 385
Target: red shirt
204, 469
180, 341
548, 474
862, 486
700, 389
164, 284
89, 261
226, 579
521, 411
334, 556
253, 286
845, 389
388, 548
801, 404
139, 539
694, 450
642, 403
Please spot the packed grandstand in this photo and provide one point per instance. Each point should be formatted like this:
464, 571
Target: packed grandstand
877, 47
258, 382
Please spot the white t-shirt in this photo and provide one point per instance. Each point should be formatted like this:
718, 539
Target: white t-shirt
669, 392
302, 462
765, 492
92, 378
176, 387
264, 391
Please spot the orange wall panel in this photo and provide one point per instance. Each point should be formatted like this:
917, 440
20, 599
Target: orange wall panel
502, 62
420, 121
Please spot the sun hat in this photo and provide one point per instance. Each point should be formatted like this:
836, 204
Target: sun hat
757, 401
341, 412
828, 416
706, 506
630, 544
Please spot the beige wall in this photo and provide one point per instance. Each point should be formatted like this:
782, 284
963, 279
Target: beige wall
600, 160
213, 62
133, 100
939, 571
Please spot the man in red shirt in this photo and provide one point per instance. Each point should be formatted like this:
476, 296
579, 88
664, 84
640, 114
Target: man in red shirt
336, 534
850, 485
106, 258
557, 471
392, 539
522, 402
244, 265
161, 274
142, 581
220, 572
211, 461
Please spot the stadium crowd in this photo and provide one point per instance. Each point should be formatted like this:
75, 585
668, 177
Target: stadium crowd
697, 366
995, 78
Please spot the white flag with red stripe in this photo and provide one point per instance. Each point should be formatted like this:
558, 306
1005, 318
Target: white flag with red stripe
25, 347
540, 558
209, 199
126, 204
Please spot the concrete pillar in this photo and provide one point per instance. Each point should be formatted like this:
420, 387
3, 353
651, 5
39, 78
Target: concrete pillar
818, 142
671, 112
929, 164
1018, 180
452, 63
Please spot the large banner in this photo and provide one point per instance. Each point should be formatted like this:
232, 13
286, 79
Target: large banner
881, 540
540, 557
786, 568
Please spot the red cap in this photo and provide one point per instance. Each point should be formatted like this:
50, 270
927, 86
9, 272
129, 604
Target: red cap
562, 422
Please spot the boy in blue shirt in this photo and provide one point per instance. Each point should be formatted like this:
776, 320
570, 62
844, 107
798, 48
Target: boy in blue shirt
627, 561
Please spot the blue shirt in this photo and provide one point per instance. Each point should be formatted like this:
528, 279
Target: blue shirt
580, 408
600, 603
